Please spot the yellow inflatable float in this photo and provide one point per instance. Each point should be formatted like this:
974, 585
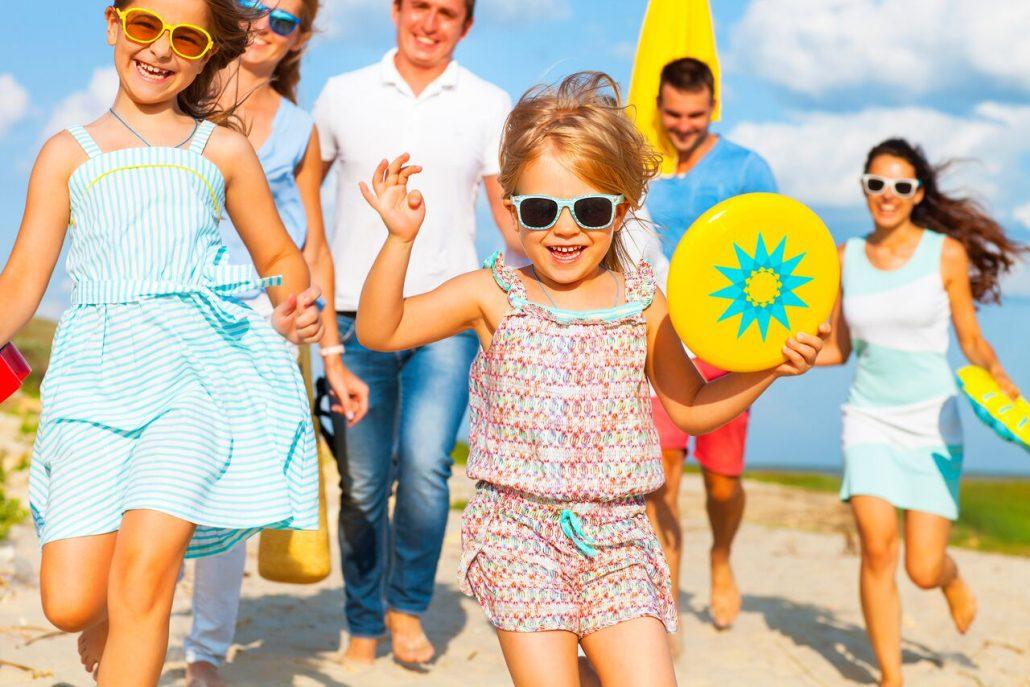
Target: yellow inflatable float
1010, 419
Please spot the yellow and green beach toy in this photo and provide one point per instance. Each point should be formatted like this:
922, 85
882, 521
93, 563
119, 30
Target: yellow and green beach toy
749, 273
1010, 419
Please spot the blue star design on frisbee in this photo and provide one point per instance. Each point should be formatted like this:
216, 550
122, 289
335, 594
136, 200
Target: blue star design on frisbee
761, 287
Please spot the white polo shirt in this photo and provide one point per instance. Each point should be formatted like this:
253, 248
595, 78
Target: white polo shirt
452, 129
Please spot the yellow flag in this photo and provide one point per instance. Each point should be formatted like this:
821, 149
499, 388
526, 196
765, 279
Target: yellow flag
672, 29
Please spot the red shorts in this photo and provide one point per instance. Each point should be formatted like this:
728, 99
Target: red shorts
720, 451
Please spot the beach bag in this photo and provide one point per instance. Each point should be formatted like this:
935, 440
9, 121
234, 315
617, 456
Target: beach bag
300, 556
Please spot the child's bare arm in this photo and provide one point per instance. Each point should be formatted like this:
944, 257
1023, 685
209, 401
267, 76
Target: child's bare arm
698, 407
387, 320
251, 207
43, 227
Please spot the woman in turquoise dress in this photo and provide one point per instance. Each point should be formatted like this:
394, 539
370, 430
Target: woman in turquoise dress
174, 420
927, 260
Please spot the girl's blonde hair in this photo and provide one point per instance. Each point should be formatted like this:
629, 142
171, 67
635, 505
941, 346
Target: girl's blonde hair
583, 119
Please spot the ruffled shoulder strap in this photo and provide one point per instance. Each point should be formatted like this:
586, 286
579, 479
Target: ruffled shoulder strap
506, 278
641, 284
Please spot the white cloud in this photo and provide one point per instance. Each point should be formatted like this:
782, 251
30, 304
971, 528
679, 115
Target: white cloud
1022, 214
14, 102
339, 18
817, 47
818, 156
82, 107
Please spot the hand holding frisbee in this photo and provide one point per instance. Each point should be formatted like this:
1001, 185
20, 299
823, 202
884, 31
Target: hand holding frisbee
750, 273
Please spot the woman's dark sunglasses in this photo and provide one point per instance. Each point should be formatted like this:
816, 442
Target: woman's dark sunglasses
281, 22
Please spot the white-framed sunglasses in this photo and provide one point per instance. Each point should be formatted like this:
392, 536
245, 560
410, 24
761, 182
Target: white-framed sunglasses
876, 185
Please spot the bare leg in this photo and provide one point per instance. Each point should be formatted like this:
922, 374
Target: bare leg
930, 567
408, 639
73, 589
663, 510
725, 506
632, 653
877, 523
536, 659
147, 555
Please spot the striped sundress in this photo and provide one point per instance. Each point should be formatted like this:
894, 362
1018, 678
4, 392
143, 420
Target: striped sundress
902, 438
164, 391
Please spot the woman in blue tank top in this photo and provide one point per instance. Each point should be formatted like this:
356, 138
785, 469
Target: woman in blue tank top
928, 258
264, 82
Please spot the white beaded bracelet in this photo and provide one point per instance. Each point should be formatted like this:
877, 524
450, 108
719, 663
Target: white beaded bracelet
331, 350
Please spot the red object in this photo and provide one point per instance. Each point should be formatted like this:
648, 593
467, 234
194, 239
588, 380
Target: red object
13, 370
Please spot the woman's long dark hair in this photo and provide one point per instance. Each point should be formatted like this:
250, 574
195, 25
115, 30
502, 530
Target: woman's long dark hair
991, 253
230, 30
287, 72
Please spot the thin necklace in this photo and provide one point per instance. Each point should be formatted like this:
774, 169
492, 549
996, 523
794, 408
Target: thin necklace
196, 123
618, 288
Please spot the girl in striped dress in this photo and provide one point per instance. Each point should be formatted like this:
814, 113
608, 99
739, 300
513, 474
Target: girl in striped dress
556, 545
174, 420
927, 260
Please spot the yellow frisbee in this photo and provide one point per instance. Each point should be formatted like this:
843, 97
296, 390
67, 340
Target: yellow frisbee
748, 274
1010, 419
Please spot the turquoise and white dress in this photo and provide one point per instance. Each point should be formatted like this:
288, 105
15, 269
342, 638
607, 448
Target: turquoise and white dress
902, 437
164, 391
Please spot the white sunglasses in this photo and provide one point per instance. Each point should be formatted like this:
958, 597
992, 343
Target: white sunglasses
876, 185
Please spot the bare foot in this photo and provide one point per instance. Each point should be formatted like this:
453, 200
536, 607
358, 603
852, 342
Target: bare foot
725, 595
410, 644
91, 646
891, 682
203, 674
961, 603
360, 652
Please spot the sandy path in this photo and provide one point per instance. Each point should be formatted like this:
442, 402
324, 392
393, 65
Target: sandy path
801, 624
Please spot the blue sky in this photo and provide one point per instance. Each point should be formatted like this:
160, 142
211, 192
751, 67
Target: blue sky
810, 84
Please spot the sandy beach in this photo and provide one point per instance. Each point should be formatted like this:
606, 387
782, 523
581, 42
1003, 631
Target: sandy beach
801, 624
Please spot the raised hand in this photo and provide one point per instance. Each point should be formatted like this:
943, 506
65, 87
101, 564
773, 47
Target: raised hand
297, 318
402, 212
801, 352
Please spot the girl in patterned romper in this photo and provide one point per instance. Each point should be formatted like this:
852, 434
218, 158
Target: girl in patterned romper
556, 546
174, 421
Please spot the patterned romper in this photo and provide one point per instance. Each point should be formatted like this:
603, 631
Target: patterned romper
564, 450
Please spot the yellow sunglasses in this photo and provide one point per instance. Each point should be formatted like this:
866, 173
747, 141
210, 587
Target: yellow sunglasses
146, 26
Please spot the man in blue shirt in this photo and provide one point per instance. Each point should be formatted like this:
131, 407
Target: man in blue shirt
710, 169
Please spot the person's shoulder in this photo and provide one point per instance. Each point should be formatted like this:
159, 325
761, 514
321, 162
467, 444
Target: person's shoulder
227, 141
952, 250
296, 115
742, 153
347, 81
61, 154
482, 88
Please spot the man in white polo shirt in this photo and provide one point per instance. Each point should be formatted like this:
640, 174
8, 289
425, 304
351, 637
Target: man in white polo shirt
417, 99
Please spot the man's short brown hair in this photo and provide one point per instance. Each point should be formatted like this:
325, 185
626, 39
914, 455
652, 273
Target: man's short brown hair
470, 8
688, 74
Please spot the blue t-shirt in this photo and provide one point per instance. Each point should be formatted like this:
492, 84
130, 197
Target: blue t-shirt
727, 170
279, 156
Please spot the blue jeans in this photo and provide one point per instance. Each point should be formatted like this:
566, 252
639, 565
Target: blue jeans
417, 398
